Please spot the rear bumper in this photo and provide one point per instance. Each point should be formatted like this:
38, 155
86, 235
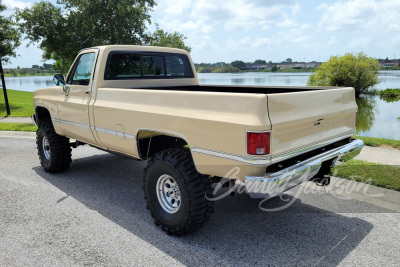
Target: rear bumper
273, 184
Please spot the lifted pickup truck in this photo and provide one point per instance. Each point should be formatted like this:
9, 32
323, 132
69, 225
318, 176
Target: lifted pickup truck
146, 102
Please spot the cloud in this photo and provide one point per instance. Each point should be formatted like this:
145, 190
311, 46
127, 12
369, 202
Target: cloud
233, 15
176, 8
332, 41
355, 15
11, 4
287, 23
359, 42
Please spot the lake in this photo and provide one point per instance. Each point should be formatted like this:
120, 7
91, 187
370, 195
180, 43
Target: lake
376, 117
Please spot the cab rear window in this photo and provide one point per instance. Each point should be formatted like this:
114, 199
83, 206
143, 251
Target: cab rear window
134, 65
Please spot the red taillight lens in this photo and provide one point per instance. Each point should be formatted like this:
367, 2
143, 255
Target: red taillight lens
258, 143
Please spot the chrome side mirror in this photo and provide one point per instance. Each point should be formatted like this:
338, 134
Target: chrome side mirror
59, 79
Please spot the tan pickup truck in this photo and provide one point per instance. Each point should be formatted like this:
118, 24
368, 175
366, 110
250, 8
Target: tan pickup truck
146, 102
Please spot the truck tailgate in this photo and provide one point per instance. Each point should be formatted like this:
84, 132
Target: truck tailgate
301, 120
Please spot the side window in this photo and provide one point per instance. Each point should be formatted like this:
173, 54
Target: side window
83, 70
177, 66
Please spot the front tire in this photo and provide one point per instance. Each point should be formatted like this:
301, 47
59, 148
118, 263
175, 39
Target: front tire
54, 150
176, 192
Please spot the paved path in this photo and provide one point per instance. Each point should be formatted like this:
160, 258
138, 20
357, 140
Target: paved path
380, 155
94, 214
16, 119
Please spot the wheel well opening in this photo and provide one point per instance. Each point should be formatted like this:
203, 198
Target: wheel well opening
42, 114
149, 143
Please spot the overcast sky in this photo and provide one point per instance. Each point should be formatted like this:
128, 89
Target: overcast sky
227, 30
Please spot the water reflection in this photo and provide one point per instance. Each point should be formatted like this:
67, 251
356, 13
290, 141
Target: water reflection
29, 83
390, 99
366, 113
259, 81
237, 81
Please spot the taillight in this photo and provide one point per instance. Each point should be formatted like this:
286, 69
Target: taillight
258, 143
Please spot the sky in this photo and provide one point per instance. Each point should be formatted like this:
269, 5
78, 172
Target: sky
228, 30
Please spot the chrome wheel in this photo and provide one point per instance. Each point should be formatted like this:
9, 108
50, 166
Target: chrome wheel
46, 147
168, 193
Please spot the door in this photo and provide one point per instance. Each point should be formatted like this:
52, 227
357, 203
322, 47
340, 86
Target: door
73, 112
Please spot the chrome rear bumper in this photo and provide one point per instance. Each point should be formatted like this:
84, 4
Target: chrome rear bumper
273, 184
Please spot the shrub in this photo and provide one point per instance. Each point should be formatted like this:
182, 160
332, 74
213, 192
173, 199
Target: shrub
351, 70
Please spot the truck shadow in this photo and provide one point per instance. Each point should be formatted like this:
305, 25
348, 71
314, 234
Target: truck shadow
239, 233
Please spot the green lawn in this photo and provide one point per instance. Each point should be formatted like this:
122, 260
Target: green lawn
379, 142
24, 127
21, 103
380, 175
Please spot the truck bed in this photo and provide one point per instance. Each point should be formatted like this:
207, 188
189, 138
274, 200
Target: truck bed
239, 88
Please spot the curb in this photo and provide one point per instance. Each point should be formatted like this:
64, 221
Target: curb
16, 120
16, 134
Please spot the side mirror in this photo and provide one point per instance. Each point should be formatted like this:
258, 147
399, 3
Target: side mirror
59, 79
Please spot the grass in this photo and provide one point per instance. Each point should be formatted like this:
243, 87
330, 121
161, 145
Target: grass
379, 142
377, 174
21, 103
21, 127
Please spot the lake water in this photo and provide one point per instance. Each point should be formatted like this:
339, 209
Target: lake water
376, 117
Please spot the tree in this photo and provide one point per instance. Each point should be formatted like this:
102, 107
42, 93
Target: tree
165, 39
47, 66
353, 70
204, 70
226, 69
63, 30
35, 66
13, 72
238, 64
259, 62
274, 68
288, 60
9, 40
32, 72
22, 71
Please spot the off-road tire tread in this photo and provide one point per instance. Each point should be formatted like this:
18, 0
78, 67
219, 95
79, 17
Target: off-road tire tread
197, 185
60, 149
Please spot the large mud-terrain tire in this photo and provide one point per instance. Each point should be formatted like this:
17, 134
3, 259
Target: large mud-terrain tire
54, 150
176, 192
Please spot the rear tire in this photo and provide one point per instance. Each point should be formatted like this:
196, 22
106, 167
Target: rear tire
54, 150
176, 192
